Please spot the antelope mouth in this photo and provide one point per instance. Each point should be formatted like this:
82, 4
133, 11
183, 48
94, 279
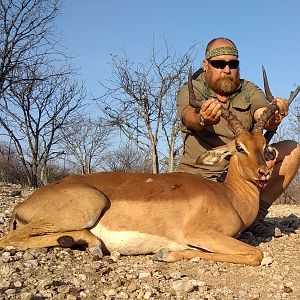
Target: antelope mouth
262, 180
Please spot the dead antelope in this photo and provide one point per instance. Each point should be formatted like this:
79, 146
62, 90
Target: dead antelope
175, 215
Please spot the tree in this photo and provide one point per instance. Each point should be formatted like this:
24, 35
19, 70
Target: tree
32, 115
86, 141
140, 101
128, 158
38, 89
11, 170
26, 37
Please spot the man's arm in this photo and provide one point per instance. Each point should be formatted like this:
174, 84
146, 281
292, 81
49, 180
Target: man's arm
209, 115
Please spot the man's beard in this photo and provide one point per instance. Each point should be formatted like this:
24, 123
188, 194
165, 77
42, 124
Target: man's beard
224, 86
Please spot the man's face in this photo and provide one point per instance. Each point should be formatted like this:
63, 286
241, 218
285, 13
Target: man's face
223, 81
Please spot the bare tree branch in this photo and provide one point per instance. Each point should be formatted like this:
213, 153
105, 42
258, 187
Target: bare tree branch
86, 141
140, 100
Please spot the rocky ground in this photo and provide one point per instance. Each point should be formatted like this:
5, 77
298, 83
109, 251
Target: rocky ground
73, 274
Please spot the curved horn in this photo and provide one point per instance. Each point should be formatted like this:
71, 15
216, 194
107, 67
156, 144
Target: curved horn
268, 93
232, 120
192, 98
264, 117
270, 109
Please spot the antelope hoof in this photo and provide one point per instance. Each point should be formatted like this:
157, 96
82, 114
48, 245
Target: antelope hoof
161, 255
66, 241
96, 251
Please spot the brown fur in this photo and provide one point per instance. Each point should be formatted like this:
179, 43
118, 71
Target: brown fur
141, 213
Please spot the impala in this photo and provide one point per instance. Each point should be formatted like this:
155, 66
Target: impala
173, 216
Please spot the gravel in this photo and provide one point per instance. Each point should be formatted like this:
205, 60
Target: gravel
57, 273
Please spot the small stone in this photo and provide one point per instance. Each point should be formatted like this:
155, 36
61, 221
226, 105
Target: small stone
277, 232
144, 274
287, 289
96, 252
176, 275
16, 193
122, 295
110, 292
132, 287
115, 255
17, 284
5, 270
195, 259
199, 283
254, 295
26, 296
5, 283
266, 261
147, 295
182, 286
6, 254
82, 277
10, 291
12, 250
28, 256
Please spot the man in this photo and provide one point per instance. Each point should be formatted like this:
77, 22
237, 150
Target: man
220, 85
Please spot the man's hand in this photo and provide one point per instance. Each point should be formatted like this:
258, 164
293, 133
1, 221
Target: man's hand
275, 120
283, 108
279, 115
210, 112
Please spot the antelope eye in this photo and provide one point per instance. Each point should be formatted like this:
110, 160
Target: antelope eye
239, 148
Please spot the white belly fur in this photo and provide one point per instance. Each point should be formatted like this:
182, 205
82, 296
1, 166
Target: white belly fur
133, 242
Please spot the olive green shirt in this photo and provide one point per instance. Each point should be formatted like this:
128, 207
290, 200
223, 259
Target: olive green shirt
243, 103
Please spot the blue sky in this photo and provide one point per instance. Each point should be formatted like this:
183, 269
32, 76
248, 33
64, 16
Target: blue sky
265, 31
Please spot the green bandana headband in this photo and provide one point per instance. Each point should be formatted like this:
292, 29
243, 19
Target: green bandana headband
221, 51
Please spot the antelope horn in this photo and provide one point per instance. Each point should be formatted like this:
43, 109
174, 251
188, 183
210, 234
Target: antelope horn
231, 119
192, 98
268, 93
265, 116
270, 109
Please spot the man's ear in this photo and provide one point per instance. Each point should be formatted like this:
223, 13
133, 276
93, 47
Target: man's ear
204, 65
214, 156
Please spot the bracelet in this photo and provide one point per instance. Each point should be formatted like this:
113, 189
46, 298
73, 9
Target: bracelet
201, 120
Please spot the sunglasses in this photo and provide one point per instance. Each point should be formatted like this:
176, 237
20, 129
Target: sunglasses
221, 64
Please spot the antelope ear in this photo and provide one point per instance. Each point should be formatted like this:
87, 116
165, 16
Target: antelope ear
213, 157
270, 153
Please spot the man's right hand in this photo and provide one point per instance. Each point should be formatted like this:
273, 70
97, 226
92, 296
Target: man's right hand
211, 111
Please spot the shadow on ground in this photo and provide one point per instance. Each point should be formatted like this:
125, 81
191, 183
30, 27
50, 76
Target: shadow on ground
282, 226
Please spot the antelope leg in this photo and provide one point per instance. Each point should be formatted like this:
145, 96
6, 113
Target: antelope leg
21, 239
222, 248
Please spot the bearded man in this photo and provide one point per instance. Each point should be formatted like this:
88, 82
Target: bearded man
219, 83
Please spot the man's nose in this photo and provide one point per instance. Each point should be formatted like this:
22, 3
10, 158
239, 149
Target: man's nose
226, 69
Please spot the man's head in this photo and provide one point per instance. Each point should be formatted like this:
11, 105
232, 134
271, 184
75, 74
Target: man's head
221, 66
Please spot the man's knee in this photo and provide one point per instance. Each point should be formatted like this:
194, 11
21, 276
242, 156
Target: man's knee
288, 148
